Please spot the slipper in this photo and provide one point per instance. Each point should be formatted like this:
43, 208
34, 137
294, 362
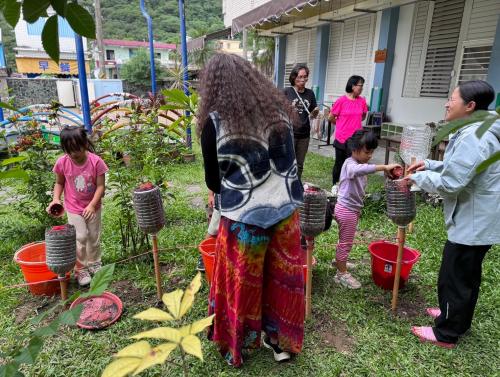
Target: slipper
433, 312
426, 335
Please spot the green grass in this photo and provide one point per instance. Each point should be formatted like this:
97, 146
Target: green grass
351, 333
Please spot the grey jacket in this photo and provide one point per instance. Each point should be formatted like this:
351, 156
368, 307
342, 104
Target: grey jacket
471, 201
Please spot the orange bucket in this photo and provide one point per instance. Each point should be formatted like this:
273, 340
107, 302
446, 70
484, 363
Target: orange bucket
207, 250
31, 259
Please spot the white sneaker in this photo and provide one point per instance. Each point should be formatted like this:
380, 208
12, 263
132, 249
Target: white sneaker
347, 280
278, 353
94, 267
335, 190
83, 277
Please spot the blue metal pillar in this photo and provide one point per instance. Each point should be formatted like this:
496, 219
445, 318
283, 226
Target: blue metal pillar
184, 64
320, 60
1, 114
82, 78
494, 69
279, 61
382, 76
151, 47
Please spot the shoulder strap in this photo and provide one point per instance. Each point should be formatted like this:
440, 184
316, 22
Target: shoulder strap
300, 98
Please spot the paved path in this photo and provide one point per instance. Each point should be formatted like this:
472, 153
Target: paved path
328, 151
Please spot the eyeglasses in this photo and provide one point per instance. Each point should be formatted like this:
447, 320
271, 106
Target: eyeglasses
305, 78
360, 85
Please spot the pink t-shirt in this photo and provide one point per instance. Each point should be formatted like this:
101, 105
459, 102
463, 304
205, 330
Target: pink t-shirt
349, 113
80, 181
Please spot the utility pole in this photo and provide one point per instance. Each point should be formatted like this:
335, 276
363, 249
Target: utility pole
98, 34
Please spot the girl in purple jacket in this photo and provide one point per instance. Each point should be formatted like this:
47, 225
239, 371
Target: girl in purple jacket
353, 180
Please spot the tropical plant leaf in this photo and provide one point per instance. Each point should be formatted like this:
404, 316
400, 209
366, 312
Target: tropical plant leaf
34, 9
488, 121
15, 173
12, 160
48, 330
196, 327
29, 354
10, 370
175, 95
192, 345
154, 314
71, 316
100, 281
457, 124
189, 293
80, 20
50, 38
172, 301
484, 165
139, 350
11, 12
121, 367
59, 6
167, 333
8, 106
157, 355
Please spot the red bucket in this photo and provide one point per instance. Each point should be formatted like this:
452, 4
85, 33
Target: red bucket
31, 259
384, 255
207, 250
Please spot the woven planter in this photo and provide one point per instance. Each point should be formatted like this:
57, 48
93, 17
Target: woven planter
401, 207
148, 205
312, 212
60, 247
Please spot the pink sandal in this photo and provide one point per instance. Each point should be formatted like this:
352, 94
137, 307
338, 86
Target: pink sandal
433, 312
426, 335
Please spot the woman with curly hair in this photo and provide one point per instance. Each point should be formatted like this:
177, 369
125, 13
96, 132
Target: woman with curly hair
245, 127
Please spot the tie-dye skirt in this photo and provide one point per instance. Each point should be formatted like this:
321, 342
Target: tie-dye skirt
258, 285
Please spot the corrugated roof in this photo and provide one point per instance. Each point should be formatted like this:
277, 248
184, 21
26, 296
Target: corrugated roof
125, 43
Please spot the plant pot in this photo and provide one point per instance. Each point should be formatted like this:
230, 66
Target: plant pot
188, 157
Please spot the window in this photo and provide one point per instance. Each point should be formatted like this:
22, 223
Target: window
431, 57
475, 63
132, 52
158, 55
110, 54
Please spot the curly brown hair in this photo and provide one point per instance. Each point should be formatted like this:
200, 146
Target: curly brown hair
244, 98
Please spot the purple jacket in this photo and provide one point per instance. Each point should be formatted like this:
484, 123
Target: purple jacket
353, 182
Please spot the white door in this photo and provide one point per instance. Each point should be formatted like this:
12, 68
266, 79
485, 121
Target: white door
350, 53
65, 93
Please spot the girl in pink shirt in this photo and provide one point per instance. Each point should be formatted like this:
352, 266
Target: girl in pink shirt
347, 113
80, 175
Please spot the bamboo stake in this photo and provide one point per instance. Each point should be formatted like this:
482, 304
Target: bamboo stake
395, 288
64, 287
310, 248
157, 267
410, 226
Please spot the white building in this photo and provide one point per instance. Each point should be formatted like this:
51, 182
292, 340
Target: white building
423, 48
118, 52
32, 60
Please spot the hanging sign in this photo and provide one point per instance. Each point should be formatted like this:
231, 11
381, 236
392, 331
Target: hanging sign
381, 56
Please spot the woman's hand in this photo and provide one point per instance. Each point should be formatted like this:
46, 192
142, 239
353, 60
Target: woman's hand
418, 166
211, 199
332, 118
315, 112
408, 180
89, 212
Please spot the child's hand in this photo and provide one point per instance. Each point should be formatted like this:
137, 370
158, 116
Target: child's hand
89, 212
392, 170
51, 204
211, 199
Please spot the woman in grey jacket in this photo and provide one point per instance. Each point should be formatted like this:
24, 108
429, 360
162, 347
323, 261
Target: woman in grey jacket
471, 209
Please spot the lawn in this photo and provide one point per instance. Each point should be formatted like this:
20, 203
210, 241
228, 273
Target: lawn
350, 333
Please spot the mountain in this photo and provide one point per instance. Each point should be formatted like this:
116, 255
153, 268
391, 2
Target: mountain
122, 19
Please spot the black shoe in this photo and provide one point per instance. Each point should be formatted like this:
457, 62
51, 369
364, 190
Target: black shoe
279, 354
200, 266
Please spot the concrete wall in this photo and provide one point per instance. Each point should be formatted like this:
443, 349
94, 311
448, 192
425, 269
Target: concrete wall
403, 109
122, 54
32, 91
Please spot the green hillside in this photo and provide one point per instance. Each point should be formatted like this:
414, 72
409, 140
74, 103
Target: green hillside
122, 19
